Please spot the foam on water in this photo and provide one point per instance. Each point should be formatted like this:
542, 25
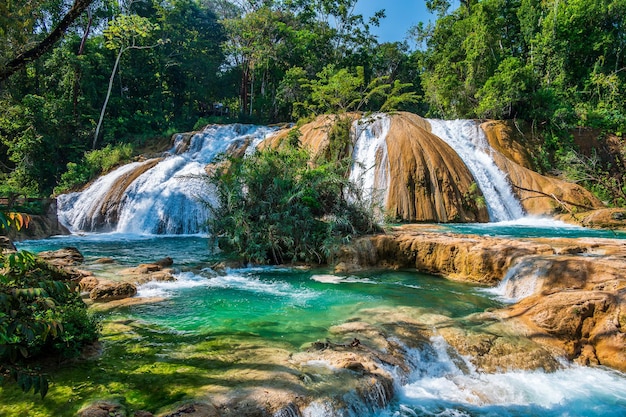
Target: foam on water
255, 284
168, 288
440, 387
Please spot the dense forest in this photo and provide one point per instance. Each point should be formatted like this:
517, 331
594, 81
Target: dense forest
83, 82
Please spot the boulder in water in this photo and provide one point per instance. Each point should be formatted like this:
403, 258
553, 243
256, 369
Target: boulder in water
68, 256
109, 291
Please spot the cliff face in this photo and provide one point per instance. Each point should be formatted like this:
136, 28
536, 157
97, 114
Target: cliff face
428, 181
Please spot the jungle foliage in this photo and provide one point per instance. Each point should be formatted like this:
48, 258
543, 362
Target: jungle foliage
41, 315
276, 207
128, 71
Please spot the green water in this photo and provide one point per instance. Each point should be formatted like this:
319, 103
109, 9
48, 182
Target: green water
292, 306
529, 227
211, 329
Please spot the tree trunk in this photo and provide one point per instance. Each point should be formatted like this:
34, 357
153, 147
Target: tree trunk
106, 100
81, 49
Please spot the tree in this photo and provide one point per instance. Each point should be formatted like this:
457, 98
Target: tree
275, 207
340, 91
123, 34
24, 57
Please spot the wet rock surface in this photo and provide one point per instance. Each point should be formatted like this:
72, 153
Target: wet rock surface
575, 307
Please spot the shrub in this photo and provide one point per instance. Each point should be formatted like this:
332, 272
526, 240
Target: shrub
93, 164
40, 313
275, 207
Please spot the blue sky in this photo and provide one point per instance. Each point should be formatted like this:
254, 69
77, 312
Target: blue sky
401, 15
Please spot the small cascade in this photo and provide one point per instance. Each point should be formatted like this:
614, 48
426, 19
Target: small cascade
167, 196
446, 384
370, 169
468, 140
522, 280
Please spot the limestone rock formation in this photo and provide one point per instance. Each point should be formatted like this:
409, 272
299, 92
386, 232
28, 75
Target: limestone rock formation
470, 258
539, 194
575, 307
428, 180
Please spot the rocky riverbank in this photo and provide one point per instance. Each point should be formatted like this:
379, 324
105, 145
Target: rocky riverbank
570, 293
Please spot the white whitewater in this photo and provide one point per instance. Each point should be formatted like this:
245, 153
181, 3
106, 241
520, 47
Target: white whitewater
522, 280
469, 142
168, 198
370, 167
440, 387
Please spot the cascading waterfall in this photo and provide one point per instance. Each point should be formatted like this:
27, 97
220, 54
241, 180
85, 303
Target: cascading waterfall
370, 167
468, 140
168, 198
522, 280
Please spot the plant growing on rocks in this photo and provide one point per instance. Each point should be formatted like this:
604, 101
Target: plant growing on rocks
275, 206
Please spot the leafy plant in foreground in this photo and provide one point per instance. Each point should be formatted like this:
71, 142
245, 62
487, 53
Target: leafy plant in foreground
275, 207
40, 313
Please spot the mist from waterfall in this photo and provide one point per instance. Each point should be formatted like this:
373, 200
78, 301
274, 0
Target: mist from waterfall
469, 142
169, 198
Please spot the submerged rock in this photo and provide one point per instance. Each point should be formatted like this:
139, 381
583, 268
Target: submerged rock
103, 409
195, 409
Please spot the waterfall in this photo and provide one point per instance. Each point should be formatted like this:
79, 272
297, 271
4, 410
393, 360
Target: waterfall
468, 140
370, 167
165, 196
522, 280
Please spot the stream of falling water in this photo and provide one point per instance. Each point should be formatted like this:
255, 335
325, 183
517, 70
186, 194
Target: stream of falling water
169, 198
370, 167
469, 142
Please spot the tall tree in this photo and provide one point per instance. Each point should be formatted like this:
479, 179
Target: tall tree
125, 33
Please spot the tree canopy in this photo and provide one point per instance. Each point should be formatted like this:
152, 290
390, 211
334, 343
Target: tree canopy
555, 64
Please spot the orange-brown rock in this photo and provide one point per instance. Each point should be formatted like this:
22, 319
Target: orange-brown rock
539, 194
428, 180
314, 135
580, 308
110, 291
468, 258
577, 307
607, 218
